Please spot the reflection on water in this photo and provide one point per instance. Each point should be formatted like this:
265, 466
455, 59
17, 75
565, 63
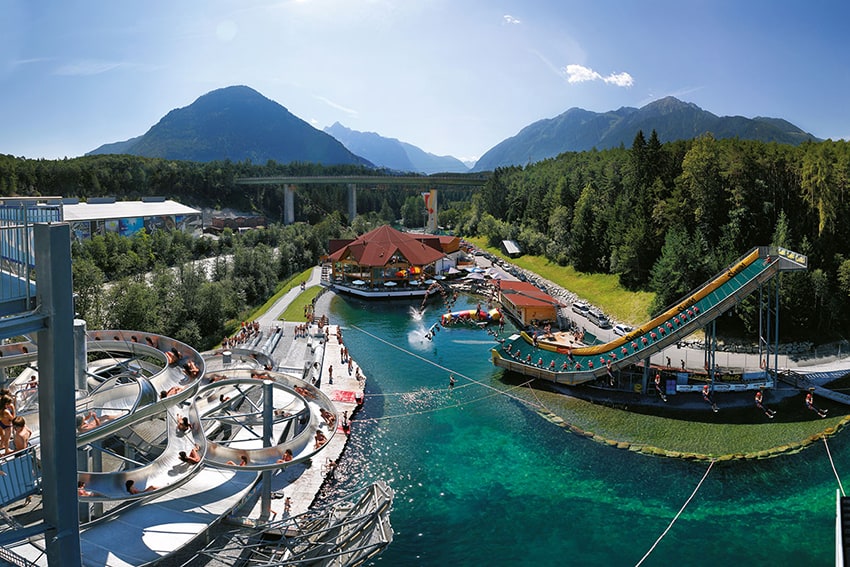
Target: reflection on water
482, 479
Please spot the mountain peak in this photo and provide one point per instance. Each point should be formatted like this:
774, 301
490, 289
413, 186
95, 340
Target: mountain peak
394, 154
236, 123
579, 130
669, 104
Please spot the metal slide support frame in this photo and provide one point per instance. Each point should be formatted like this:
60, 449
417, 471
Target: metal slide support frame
762, 353
711, 351
268, 414
768, 311
776, 284
56, 394
84, 464
769, 327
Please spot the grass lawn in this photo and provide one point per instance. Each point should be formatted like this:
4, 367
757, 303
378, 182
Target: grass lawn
295, 311
684, 438
602, 290
282, 289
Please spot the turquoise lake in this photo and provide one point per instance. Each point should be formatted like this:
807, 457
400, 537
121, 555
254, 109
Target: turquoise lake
482, 479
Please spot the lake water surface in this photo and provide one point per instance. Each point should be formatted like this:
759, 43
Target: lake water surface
482, 479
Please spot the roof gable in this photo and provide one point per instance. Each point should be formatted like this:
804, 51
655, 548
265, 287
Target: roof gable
385, 244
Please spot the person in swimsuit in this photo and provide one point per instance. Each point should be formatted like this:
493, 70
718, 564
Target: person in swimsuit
760, 405
706, 395
183, 424
658, 387
810, 404
130, 486
193, 458
243, 460
22, 433
6, 418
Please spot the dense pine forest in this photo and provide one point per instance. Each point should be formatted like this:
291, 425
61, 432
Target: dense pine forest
666, 217
662, 217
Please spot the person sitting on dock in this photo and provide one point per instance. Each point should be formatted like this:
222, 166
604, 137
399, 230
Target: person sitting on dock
810, 404
706, 395
760, 405
330, 469
192, 458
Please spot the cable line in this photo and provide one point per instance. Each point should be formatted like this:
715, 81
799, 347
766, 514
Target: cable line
831, 462
676, 517
441, 367
456, 404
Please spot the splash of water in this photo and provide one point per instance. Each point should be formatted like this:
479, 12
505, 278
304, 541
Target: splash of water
417, 314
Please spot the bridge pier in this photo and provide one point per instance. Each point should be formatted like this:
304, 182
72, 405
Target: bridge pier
288, 204
352, 202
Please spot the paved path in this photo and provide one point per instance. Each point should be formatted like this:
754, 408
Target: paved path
302, 482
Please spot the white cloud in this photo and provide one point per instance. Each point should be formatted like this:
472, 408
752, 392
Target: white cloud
619, 79
582, 74
508, 19
332, 104
87, 67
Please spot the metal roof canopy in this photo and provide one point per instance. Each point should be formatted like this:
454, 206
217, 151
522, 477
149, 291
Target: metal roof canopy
123, 209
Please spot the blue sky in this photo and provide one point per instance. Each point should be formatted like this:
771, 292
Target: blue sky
454, 77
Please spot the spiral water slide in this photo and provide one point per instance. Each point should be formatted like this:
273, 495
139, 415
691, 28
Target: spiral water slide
134, 369
234, 402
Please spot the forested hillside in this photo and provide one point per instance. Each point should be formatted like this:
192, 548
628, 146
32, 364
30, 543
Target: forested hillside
667, 217
662, 217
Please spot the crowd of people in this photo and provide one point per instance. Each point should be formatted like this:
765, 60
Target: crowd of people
249, 331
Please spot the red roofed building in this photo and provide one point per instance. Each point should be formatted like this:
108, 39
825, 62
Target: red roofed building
527, 303
385, 255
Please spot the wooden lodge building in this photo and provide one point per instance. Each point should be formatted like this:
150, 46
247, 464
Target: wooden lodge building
389, 260
526, 303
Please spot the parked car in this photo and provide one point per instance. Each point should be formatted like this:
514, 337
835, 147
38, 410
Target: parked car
581, 308
597, 317
622, 330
